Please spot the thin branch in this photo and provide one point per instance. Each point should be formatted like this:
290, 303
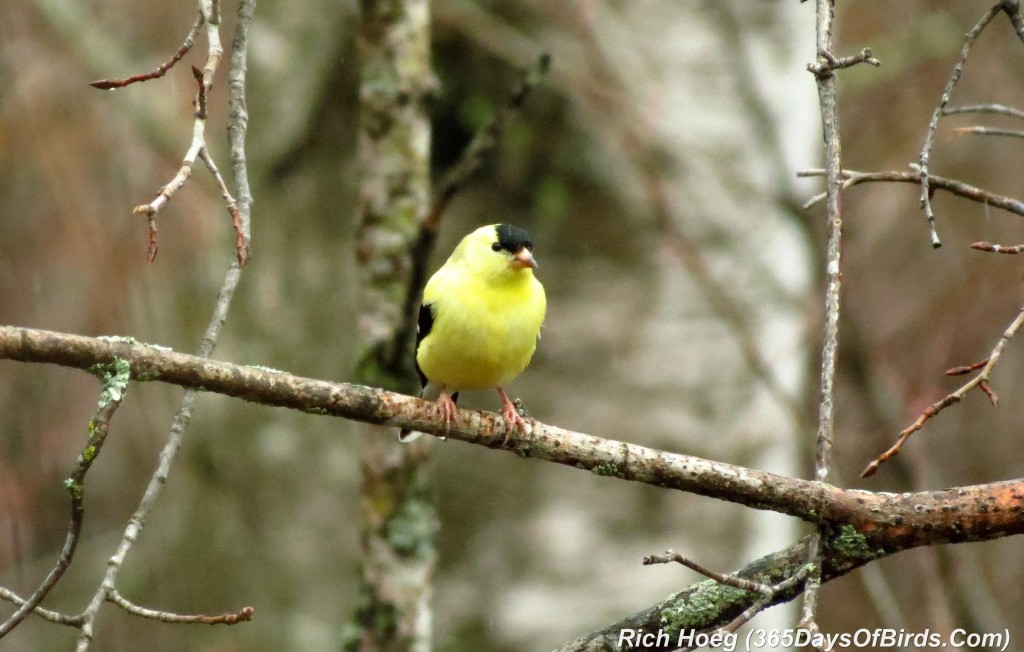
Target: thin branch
984, 108
988, 131
167, 455
197, 145
236, 131
768, 592
54, 617
823, 70
740, 583
966, 369
243, 615
959, 188
708, 605
998, 249
238, 122
209, 14
1013, 11
161, 70
210, 10
115, 382
768, 597
241, 250
827, 62
980, 381
933, 124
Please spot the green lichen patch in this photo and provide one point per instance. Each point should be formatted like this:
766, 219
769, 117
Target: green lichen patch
74, 488
114, 376
852, 547
269, 370
609, 469
700, 607
118, 339
412, 529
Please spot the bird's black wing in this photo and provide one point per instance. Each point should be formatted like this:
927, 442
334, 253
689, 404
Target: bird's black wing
423, 326
424, 323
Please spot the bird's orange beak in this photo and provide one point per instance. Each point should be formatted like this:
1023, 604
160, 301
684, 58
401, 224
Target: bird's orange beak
523, 259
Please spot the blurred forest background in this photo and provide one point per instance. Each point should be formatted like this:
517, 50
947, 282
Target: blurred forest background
655, 169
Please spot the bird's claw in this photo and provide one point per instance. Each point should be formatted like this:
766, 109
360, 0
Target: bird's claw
446, 406
513, 420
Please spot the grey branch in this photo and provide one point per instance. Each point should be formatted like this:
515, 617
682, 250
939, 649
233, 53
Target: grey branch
895, 521
958, 188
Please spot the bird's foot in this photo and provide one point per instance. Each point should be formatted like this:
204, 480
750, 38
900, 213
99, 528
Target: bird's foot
513, 420
446, 406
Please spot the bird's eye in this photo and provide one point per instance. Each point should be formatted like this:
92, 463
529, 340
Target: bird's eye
496, 246
529, 245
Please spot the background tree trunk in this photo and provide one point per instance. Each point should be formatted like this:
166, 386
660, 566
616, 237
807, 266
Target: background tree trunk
399, 520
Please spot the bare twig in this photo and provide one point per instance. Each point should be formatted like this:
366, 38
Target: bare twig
966, 369
768, 592
161, 70
823, 70
740, 583
1016, 15
181, 419
827, 62
115, 382
209, 14
197, 145
768, 595
984, 108
241, 250
54, 617
998, 249
238, 122
980, 381
933, 125
243, 615
167, 455
988, 131
958, 188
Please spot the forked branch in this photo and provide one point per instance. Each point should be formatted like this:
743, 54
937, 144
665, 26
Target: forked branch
981, 381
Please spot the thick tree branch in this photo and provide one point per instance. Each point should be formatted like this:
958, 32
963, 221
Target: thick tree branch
888, 521
708, 605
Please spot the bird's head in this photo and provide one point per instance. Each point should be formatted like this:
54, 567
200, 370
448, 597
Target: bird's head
499, 251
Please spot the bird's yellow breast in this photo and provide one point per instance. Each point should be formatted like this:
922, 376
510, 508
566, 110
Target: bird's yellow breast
484, 332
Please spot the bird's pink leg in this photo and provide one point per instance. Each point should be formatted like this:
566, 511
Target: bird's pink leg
447, 407
511, 417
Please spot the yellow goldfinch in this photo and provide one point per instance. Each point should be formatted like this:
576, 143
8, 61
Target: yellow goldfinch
480, 320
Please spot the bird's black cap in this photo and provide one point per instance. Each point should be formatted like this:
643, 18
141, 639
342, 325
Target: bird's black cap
513, 239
